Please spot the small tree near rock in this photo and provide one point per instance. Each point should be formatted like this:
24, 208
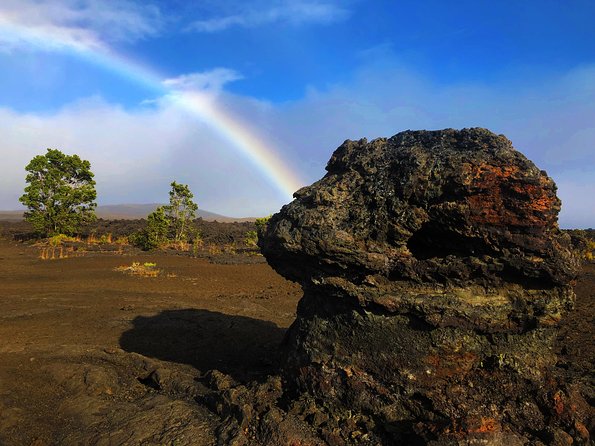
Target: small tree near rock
60, 195
251, 238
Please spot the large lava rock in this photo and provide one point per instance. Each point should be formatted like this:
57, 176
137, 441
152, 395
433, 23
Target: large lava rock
434, 275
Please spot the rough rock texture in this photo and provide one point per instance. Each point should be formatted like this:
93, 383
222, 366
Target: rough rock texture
434, 277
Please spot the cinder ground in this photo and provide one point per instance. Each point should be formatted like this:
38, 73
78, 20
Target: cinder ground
60, 318
90, 355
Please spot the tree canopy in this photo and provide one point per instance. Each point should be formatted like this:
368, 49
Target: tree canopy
60, 193
180, 211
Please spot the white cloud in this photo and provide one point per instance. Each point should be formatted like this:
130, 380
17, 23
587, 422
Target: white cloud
212, 80
74, 24
137, 153
576, 189
254, 14
553, 125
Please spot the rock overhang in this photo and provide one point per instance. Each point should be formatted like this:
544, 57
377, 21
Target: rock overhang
434, 220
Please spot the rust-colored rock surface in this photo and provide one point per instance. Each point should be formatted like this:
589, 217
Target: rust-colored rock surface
434, 277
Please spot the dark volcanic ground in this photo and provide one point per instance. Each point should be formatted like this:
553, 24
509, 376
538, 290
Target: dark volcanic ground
576, 342
211, 231
90, 355
72, 332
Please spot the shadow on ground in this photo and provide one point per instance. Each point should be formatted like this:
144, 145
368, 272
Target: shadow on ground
245, 348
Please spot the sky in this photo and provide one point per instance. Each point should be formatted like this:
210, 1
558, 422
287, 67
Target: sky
245, 100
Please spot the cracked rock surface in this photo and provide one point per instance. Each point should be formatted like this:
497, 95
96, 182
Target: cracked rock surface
434, 277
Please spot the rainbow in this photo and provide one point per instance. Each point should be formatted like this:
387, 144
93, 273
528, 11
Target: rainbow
242, 138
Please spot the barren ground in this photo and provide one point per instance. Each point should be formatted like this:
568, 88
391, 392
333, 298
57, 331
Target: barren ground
72, 332
59, 316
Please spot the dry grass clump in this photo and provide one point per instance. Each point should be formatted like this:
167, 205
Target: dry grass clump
590, 251
59, 239
107, 239
52, 248
146, 269
213, 249
52, 253
227, 248
61, 246
177, 246
93, 239
122, 240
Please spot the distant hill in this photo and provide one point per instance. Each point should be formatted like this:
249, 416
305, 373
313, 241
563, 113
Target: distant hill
131, 212
11, 215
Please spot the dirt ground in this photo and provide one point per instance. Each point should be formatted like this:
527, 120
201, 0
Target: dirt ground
85, 348
57, 315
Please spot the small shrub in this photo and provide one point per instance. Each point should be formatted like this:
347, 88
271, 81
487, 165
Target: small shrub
122, 240
262, 223
261, 227
157, 227
586, 249
58, 239
106, 238
139, 239
103, 239
196, 236
155, 234
180, 246
213, 249
197, 245
229, 248
590, 250
251, 238
147, 269
195, 249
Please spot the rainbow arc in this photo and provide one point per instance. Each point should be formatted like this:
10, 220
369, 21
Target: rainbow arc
244, 139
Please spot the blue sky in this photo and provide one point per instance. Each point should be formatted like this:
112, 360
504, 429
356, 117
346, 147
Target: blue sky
104, 79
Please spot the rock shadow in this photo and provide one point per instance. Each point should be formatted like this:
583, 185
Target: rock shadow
245, 348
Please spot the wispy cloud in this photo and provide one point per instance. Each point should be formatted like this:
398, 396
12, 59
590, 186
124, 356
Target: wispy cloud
254, 14
212, 80
74, 24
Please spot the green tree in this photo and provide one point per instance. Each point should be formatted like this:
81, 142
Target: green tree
180, 211
262, 223
60, 193
157, 228
155, 233
251, 238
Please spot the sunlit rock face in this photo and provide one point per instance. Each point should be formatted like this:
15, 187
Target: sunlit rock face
434, 275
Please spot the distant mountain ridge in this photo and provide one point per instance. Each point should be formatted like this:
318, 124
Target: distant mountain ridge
132, 212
